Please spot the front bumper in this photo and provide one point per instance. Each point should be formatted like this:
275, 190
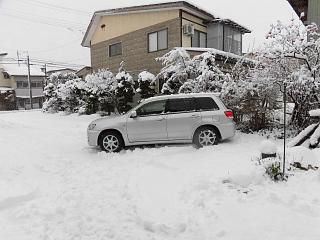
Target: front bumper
93, 137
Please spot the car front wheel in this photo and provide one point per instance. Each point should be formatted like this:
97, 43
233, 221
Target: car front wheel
205, 136
111, 142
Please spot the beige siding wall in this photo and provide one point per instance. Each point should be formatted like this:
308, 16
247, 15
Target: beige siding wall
118, 25
135, 50
7, 82
197, 23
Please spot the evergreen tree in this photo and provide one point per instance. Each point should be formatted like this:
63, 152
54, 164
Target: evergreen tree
124, 91
175, 70
146, 85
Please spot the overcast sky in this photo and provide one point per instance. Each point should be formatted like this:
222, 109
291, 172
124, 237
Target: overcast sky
53, 29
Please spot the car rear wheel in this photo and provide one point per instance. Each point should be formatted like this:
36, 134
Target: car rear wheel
205, 136
111, 142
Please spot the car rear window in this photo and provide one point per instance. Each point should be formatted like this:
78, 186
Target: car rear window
206, 104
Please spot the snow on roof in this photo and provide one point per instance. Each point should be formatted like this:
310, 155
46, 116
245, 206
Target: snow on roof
26, 97
5, 89
21, 70
218, 52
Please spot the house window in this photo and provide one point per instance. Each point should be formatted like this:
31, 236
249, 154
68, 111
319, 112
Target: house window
158, 40
232, 40
115, 49
199, 39
22, 84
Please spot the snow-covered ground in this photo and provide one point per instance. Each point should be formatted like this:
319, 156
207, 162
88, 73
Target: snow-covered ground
54, 187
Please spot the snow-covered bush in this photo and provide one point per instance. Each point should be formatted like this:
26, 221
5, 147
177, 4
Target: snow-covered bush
124, 91
98, 92
291, 56
146, 85
61, 93
95, 93
61, 77
250, 95
207, 75
175, 70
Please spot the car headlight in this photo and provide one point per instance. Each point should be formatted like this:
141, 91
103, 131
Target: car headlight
92, 126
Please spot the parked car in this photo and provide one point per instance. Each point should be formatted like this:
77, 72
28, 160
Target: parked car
201, 119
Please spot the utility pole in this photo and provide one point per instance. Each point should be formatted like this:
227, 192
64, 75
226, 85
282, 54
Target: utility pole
45, 76
29, 82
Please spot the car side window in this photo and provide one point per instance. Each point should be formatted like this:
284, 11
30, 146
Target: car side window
206, 104
152, 108
180, 105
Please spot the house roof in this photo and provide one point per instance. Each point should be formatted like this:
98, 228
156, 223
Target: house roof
21, 70
188, 7
232, 23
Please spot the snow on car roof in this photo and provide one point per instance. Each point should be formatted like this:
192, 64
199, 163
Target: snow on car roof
182, 95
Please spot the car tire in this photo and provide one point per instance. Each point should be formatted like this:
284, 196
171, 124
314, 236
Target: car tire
205, 136
111, 142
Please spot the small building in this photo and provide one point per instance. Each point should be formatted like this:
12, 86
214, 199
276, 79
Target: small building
138, 35
83, 72
15, 77
307, 10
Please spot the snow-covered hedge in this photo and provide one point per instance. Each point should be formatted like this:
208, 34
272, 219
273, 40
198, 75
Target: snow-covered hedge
95, 93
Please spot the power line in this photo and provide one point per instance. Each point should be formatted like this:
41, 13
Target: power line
45, 18
58, 47
63, 25
54, 6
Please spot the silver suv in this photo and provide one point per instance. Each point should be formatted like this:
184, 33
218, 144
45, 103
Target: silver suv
201, 119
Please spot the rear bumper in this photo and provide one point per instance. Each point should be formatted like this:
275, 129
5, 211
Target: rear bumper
227, 130
93, 137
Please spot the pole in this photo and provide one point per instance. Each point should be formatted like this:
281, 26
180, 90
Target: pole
29, 82
45, 76
284, 126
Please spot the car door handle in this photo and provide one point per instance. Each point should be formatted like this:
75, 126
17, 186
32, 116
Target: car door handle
195, 116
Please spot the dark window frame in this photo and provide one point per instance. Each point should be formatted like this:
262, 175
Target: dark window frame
167, 43
114, 44
199, 38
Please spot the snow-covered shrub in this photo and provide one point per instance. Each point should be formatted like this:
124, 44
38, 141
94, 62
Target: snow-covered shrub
95, 93
146, 85
124, 91
208, 76
250, 95
51, 102
98, 92
61, 77
175, 70
69, 96
61, 93
291, 56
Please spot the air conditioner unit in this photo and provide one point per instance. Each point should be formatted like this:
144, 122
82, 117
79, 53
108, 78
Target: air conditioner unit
188, 29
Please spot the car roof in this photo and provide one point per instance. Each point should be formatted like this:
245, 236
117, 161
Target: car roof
182, 95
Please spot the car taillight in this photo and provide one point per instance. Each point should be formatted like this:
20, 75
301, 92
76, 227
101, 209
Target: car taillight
229, 114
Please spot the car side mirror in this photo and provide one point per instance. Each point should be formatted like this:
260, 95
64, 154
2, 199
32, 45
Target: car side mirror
133, 114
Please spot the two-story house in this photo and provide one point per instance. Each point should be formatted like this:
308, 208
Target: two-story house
138, 35
307, 10
15, 77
